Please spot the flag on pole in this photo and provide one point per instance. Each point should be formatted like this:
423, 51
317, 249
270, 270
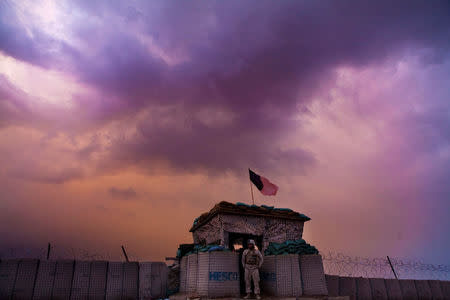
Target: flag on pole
263, 184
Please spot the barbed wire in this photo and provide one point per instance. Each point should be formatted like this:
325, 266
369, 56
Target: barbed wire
334, 263
354, 266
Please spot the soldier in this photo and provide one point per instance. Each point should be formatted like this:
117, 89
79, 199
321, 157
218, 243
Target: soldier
252, 260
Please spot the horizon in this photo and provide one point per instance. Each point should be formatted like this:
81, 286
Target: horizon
120, 123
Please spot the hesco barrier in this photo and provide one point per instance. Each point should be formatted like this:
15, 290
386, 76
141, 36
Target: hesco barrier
153, 278
114, 281
280, 276
436, 291
97, 280
393, 289
44, 280
423, 289
312, 275
347, 287
68, 279
445, 286
408, 289
24, 283
8, 270
130, 288
378, 288
332, 285
218, 274
80, 283
363, 290
192, 272
183, 274
383, 289
63, 279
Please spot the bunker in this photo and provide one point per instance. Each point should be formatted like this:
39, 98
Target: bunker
231, 225
278, 235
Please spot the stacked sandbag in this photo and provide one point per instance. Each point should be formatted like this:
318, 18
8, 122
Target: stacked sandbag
153, 277
218, 274
280, 276
312, 275
290, 247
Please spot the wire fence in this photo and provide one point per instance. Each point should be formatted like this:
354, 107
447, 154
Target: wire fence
354, 266
334, 263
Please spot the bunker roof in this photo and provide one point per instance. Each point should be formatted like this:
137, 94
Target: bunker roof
248, 210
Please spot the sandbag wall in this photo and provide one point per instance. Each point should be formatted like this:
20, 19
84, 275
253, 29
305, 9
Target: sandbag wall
68, 279
379, 288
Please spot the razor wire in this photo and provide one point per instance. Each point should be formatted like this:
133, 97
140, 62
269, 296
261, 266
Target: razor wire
355, 266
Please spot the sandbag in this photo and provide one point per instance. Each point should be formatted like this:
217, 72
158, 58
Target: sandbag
378, 287
363, 290
332, 285
218, 274
97, 282
192, 271
44, 280
312, 274
347, 287
408, 289
8, 270
393, 289
436, 290
114, 281
280, 276
423, 289
63, 279
26, 274
80, 285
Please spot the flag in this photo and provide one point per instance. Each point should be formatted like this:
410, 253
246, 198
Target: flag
263, 184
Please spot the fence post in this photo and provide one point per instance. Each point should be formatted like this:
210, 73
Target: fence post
393, 271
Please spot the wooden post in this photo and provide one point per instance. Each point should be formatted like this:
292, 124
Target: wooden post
125, 254
393, 271
251, 190
48, 250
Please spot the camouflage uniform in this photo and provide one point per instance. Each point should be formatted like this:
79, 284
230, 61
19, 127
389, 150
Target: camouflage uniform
252, 261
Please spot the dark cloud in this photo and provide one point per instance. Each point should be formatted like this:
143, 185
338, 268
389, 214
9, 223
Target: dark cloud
122, 193
257, 60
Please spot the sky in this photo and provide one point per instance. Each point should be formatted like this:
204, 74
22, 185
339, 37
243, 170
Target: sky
122, 121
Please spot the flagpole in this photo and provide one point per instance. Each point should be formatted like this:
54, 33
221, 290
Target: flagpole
251, 190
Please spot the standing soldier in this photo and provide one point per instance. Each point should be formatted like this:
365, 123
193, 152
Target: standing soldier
252, 260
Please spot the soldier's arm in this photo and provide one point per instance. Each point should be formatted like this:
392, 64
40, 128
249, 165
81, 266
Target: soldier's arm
243, 258
261, 259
